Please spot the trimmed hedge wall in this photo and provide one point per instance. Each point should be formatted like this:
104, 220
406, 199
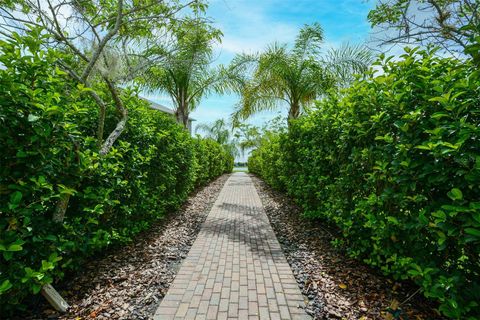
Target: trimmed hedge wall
394, 163
212, 159
48, 150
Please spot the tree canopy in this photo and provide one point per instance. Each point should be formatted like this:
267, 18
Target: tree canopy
296, 76
185, 73
221, 132
450, 24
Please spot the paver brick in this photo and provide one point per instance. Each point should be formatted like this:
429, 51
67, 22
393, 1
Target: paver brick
235, 268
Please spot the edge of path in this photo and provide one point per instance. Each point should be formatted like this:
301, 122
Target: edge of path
337, 287
129, 282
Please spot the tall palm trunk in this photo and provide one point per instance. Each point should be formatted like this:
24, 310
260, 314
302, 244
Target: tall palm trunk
182, 117
181, 114
294, 111
182, 109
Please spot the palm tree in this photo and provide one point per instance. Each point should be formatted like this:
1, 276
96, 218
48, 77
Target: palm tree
185, 74
248, 137
294, 76
220, 131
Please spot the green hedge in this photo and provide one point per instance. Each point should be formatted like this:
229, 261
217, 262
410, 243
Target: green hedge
212, 158
266, 161
395, 164
48, 150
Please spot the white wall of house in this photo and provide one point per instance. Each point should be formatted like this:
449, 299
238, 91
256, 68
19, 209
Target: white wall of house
169, 111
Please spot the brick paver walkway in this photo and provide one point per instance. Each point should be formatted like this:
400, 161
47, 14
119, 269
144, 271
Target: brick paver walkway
235, 268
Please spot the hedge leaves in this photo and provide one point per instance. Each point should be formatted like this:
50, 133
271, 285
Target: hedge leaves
393, 162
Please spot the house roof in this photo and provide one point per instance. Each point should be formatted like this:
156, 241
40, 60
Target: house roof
162, 108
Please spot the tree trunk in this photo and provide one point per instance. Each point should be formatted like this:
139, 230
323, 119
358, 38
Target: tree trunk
294, 112
100, 125
107, 145
182, 116
61, 208
121, 125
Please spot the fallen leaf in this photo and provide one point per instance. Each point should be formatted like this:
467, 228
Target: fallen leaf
342, 286
389, 316
394, 304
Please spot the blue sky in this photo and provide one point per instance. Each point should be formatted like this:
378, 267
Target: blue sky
250, 25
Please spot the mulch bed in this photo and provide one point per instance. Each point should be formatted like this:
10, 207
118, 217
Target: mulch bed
336, 286
130, 282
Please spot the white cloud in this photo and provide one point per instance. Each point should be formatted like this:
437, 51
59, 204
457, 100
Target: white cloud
248, 27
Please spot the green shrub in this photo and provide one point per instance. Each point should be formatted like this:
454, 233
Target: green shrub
229, 161
395, 164
266, 161
49, 149
212, 160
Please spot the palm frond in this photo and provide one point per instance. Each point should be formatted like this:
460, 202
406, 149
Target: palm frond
347, 60
296, 76
185, 72
239, 72
220, 132
309, 40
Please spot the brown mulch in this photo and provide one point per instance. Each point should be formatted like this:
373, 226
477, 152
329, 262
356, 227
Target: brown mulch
130, 282
336, 286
